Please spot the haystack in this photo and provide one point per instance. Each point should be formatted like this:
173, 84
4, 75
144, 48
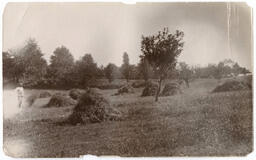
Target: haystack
232, 85
171, 89
93, 107
150, 89
44, 94
76, 93
31, 99
58, 100
125, 89
139, 84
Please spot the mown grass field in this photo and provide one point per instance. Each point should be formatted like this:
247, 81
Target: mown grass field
195, 123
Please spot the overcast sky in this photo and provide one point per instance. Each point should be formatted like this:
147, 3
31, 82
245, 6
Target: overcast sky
106, 30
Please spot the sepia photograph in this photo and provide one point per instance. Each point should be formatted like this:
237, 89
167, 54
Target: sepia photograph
131, 80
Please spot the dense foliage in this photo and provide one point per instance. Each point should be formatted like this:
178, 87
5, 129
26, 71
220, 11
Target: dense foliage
27, 65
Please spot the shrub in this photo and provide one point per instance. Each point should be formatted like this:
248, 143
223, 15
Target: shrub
93, 107
58, 100
150, 89
171, 89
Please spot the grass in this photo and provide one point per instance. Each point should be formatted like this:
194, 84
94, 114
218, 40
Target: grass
195, 123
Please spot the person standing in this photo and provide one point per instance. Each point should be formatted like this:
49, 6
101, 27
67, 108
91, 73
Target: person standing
20, 94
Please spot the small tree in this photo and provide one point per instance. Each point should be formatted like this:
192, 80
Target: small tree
161, 51
125, 68
109, 72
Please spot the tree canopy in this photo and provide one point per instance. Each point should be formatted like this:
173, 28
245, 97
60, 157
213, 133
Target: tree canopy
161, 51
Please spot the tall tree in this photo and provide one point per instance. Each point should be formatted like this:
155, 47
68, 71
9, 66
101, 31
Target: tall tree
86, 70
125, 68
30, 66
8, 67
236, 69
61, 67
161, 51
109, 72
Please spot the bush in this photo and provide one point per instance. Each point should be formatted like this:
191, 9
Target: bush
93, 107
150, 89
125, 89
232, 85
31, 99
75, 93
171, 89
45, 94
58, 100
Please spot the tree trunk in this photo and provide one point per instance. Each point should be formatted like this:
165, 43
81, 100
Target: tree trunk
159, 89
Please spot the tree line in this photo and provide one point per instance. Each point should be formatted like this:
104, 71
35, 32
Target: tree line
157, 61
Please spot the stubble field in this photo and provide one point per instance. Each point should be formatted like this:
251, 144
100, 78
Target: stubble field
194, 123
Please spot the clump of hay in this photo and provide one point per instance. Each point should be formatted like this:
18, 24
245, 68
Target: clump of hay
75, 93
60, 93
150, 89
109, 86
31, 99
44, 94
232, 85
171, 89
58, 100
92, 108
125, 89
139, 84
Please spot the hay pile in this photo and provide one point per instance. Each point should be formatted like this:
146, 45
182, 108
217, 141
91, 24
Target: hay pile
232, 85
44, 94
58, 100
171, 89
125, 89
61, 93
93, 107
139, 84
31, 99
76, 93
150, 89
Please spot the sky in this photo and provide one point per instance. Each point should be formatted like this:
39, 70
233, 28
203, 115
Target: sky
213, 31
